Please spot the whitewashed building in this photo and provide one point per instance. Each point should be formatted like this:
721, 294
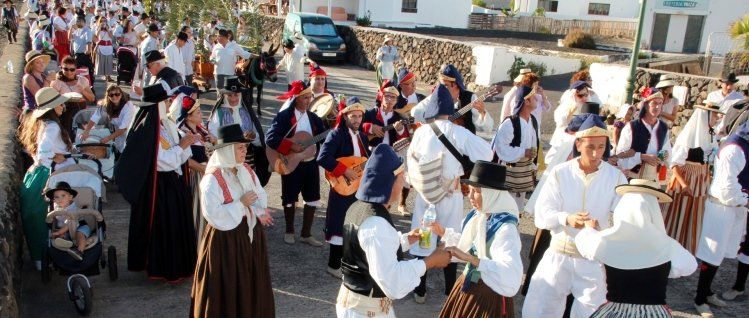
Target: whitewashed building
669, 25
394, 13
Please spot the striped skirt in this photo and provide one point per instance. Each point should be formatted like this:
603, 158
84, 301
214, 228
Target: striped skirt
683, 216
521, 176
620, 310
479, 301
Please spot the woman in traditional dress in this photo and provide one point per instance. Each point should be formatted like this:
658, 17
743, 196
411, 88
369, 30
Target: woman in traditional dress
186, 112
42, 136
232, 277
691, 155
670, 104
387, 56
637, 254
118, 111
129, 36
490, 244
41, 39
104, 51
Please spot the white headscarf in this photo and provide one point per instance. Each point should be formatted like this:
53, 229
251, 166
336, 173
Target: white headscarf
638, 238
169, 124
234, 109
224, 158
696, 132
492, 201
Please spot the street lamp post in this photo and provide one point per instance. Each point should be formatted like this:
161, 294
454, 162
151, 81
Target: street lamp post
635, 54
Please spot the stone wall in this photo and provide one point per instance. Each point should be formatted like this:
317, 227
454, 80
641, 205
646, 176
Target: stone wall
272, 29
11, 175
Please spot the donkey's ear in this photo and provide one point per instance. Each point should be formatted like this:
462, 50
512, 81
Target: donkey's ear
272, 50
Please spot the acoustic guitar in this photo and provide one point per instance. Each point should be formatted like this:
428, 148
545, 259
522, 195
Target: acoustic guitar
489, 92
385, 129
344, 186
286, 164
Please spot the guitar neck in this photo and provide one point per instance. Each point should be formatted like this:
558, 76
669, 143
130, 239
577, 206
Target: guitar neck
465, 109
392, 126
316, 139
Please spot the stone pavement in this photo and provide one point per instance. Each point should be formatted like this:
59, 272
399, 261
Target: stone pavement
301, 286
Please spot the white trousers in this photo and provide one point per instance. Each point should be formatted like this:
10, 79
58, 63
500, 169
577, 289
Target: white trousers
723, 229
559, 275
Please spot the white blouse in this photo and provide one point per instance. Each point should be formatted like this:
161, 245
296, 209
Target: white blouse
172, 157
226, 217
122, 122
725, 186
504, 136
49, 143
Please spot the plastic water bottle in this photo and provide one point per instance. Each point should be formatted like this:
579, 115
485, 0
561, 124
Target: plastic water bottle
430, 215
9, 67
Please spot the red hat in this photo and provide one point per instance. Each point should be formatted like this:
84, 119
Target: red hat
381, 92
297, 88
316, 71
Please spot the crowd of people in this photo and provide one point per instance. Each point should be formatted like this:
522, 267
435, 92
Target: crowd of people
196, 186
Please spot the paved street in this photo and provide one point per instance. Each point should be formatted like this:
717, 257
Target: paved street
301, 286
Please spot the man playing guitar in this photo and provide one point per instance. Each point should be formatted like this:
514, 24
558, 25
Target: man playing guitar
305, 179
382, 123
477, 118
346, 140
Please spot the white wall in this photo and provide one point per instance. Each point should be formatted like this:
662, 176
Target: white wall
620, 10
610, 83
448, 13
492, 63
351, 6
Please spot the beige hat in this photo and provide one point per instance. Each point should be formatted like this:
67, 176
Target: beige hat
34, 55
387, 38
665, 83
522, 73
43, 21
711, 108
47, 98
644, 186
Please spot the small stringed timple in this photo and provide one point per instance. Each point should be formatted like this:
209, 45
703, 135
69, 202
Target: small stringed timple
286, 164
340, 184
406, 123
489, 92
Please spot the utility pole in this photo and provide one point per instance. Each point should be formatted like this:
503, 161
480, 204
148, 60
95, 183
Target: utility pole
635, 54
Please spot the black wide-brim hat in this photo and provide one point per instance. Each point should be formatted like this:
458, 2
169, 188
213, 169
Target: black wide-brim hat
487, 174
153, 56
232, 85
229, 135
60, 186
730, 78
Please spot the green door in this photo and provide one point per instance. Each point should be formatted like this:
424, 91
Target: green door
693, 37
660, 31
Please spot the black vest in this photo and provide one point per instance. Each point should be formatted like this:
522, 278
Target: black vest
354, 264
641, 135
646, 286
517, 134
465, 99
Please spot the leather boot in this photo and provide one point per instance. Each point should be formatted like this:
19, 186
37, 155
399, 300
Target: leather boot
308, 216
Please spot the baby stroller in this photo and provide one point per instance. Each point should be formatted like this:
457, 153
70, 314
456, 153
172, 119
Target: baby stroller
91, 193
126, 63
104, 152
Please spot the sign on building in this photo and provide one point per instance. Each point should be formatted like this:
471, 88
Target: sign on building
683, 5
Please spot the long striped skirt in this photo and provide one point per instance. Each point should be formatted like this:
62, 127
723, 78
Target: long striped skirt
521, 176
620, 310
683, 216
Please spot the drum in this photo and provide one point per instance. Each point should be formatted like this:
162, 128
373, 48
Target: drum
324, 107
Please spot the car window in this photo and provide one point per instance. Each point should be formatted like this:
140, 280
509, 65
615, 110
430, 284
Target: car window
319, 29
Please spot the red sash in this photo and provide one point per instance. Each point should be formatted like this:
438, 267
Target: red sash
222, 183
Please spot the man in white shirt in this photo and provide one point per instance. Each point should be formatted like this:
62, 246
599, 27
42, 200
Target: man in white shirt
295, 55
516, 144
173, 54
726, 96
644, 143
150, 43
426, 150
578, 191
188, 54
224, 57
141, 28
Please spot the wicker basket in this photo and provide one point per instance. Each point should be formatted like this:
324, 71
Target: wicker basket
99, 150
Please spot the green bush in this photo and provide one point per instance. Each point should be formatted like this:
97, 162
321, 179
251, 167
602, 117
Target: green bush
579, 39
538, 68
364, 21
479, 3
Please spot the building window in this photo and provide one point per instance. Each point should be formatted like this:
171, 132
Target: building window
548, 5
409, 6
598, 8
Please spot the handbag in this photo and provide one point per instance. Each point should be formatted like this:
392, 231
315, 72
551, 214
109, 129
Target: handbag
465, 162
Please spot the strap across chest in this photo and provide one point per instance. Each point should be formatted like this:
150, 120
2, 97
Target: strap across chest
224, 187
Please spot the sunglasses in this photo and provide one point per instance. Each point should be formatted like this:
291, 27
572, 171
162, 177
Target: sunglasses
68, 69
582, 95
114, 94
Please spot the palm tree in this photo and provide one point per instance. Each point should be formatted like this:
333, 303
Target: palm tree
740, 31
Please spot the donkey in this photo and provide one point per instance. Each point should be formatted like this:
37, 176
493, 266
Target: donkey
255, 71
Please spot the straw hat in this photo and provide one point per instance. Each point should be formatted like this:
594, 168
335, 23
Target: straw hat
644, 186
665, 83
47, 98
43, 21
34, 55
522, 73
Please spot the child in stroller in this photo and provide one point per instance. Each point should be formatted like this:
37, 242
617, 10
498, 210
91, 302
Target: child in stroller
62, 196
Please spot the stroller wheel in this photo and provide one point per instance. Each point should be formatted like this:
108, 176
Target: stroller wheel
81, 294
112, 262
46, 272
